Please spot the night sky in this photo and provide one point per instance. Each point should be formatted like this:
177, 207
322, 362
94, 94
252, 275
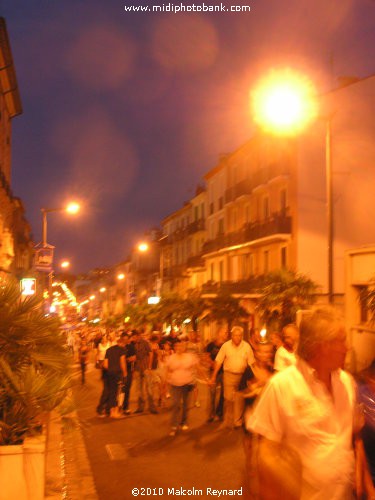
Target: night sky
127, 111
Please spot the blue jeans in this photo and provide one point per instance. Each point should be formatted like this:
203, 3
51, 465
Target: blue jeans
180, 394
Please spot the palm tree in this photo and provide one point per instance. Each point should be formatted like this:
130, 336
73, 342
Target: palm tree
170, 309
194, 307
282, 294
226, 308
34, 365
367, 297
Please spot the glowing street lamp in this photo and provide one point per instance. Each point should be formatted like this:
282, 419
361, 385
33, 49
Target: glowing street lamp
121, 276
143, 247
72, 208
102, 289
285, 102
65, 264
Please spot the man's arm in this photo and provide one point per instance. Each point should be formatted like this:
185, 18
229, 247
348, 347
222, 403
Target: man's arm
219, 360
215, 372
279, 470
123, 365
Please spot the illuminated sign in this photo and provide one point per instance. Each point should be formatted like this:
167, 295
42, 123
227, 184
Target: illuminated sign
28, 286
153, 300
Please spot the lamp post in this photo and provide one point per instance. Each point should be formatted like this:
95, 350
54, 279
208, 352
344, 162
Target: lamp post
44, 251
285, 103
71, 208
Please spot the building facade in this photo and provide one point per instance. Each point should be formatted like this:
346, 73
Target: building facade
16, 247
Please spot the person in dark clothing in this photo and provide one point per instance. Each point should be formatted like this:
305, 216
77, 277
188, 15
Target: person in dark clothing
141, 367
115, 364
253, 380
366, 398
212, 349
130, 355
83, 354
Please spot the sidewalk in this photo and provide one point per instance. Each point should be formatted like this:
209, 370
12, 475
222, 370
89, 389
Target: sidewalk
68, 471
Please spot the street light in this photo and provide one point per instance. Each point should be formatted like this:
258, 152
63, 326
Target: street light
71, 208
143, 247
44, 251
65, 264
285, 102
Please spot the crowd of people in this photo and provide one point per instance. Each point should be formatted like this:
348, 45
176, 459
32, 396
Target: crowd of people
306, 435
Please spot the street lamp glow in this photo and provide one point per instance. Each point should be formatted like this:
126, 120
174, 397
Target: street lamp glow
73, 208
284, 102
65, 264
121, 276
102, 289
92, 297
143, 247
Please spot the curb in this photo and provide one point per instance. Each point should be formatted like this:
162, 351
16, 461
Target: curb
68, 471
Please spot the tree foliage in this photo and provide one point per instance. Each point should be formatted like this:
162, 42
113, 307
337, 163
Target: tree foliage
226, 308
282, 294
34, 364
367, 297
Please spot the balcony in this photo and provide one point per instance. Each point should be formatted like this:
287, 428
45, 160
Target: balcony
248, 286
197, 225
279, 223
195, 261
242, 188
266, 173
177, 271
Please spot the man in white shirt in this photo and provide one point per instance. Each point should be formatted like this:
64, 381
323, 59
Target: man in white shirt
308, 409
234, 355
285, 354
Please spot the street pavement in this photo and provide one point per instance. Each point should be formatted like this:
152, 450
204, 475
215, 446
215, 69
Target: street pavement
137, 452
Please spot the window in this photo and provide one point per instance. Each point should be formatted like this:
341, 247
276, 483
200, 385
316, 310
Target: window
220, 230
283, 204
211, 208
202, 210
212, 272
196, 215
266, 256
247, 214
283, 258
251, 265
221, 202
221, 271
266, 207
234, 219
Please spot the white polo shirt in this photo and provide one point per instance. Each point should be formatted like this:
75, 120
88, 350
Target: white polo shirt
297, 409
283, 359
235, 358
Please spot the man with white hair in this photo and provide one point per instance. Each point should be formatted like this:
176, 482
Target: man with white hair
234, 355
304, 418
286, 353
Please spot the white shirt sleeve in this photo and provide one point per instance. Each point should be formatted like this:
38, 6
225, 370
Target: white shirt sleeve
268, 419
221, 355
250, 357
283, 359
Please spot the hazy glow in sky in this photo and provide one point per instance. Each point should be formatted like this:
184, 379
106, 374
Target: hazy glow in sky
126, 112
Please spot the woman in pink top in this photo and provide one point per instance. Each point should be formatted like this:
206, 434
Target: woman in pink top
181, 371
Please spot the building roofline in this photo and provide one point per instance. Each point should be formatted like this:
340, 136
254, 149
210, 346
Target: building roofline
8, 77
